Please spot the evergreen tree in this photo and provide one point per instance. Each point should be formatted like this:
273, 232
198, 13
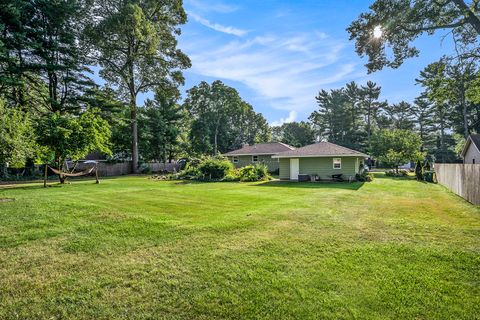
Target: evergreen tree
159, 128
419, 170
400, 115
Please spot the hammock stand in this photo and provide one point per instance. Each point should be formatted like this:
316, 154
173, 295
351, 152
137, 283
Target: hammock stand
71, 174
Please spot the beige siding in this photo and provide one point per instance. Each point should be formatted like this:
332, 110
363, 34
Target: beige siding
322, 166
472, 153
284, 169
243, 161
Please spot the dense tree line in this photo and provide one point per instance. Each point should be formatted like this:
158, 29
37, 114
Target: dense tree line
51, 109
47, 91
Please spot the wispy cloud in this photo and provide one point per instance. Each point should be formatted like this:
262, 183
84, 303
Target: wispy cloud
292, 116
216, 26
285, 72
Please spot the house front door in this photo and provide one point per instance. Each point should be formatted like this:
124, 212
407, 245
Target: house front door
294, 169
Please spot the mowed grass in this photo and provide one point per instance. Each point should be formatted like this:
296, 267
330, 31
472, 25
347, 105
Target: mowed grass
134, 248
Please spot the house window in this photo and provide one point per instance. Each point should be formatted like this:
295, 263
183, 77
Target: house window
473, 161
254, 158
235, 159
337, 163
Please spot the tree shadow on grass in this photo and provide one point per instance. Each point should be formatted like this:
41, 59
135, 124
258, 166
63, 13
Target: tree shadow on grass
312, 185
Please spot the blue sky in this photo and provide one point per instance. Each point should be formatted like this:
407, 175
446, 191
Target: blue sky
279, 53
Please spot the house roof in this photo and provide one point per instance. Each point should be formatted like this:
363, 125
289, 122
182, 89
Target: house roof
320, 149
472, 139
261, 148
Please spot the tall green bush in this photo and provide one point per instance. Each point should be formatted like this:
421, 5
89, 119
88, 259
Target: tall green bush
257, 172
214, 169
419, 170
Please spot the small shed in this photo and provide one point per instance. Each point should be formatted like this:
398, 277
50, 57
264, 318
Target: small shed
471, 151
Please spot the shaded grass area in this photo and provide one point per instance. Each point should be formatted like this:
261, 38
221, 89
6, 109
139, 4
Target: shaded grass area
136, 248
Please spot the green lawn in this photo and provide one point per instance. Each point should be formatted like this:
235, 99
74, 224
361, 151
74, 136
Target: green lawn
136, 248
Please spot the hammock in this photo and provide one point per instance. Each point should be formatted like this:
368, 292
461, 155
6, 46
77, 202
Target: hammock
67, 174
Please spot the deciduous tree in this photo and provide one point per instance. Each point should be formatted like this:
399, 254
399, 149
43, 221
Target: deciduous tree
386, 31
135, 44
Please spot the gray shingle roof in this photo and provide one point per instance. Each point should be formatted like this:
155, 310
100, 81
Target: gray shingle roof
476, 140
320, 149
261, 148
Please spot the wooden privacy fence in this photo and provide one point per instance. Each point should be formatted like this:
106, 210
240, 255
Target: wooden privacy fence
462, 179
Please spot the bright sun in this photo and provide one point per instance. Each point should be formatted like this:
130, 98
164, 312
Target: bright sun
377, 32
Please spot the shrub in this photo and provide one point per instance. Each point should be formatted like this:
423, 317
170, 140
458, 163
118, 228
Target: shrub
214, 169
393, 173
419, 170
258, 172
233, 175
145, 168
364, 177
189, 173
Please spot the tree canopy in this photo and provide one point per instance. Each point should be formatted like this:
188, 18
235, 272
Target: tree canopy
396, 147
399, 22
220, 120
135, 44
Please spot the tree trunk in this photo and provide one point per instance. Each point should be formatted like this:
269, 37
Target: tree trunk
215, 148
134, 127
469, 15
133, 117
442, 140
464, 111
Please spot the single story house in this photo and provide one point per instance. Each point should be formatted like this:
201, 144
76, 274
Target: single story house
258, 153
471, 151
322, 159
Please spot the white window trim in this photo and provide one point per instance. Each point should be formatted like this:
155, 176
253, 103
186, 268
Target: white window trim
253, 158
235, 159
333, 163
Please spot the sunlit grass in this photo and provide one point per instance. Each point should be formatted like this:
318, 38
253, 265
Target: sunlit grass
136, 248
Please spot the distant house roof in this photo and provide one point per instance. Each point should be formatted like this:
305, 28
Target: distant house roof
261, 148
472, 139
320, 149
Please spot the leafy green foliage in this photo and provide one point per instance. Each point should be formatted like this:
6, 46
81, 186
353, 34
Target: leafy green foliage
135, 44
295, 134
396, 147
43, 66
220, 120
160, 123
364, 177
73, 137
17, 140
190, 172
214, 169
257, 172
419, 170
401, 22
